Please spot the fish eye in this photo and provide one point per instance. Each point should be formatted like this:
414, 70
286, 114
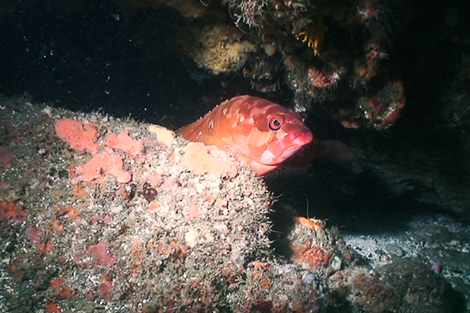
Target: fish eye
276, 122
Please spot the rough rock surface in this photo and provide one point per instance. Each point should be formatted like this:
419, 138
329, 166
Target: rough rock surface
121, 216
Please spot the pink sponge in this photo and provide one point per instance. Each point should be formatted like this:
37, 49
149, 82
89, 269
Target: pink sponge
79, 136
124, 142
6, 157
105, 163
101, 253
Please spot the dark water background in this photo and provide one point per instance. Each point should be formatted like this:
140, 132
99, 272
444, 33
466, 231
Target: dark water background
87, 59
93, 58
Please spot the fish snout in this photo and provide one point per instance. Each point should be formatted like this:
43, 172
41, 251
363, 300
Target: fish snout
282, 149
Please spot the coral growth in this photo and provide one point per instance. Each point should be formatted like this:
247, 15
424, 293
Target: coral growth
159, 235
322, 50
101, 254
380, 108
312, 245
215, 47
165, 136
201, 159
171, 239
13, 211
415, 289
314, 34
310, 257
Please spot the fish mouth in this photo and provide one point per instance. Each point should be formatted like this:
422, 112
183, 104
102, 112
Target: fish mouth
283, 148
294, 141
300, 138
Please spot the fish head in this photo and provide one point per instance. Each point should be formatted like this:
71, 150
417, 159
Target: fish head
266, 134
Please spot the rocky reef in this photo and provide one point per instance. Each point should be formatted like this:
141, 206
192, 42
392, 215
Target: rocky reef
99, 213
329, 54
103, 209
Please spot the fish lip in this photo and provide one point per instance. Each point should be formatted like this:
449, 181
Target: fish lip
298, 139
301, 137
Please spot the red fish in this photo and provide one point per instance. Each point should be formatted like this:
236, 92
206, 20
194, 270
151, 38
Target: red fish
259, 132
